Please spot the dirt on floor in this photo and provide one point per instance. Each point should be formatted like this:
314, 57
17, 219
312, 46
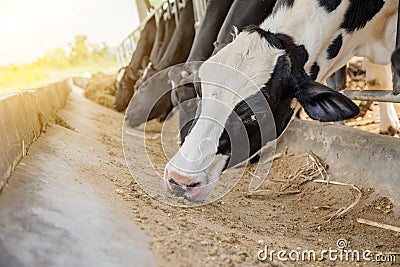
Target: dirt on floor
285, 214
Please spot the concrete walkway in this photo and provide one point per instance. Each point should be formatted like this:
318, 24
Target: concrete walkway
50, 212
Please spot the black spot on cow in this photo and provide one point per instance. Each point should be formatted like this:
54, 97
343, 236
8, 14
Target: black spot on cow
334, 47
314, 71
359, 13
329, 5
286, 4
276, 41
271, 38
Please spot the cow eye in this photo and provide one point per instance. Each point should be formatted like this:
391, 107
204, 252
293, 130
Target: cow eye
254, 119
250, 120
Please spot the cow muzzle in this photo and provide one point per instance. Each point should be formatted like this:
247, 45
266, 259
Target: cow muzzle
191, 186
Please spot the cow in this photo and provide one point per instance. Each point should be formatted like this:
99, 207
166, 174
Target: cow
158, 53
153, 99
270, 68
128, 75
241, 13
147, 105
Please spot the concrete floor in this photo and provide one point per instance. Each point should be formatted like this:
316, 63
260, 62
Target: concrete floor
50, 215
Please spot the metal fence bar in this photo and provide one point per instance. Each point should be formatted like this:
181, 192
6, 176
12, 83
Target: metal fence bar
176, 11
200, 9
128, 45
396, 80
196, 13
372, 95
125, 53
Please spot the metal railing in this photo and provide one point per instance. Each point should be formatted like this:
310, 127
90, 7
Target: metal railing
128, 45
199, 7
380, 95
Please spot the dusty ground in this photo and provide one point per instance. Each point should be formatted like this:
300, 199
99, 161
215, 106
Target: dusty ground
230, 232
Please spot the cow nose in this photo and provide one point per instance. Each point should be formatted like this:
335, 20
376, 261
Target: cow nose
179, 184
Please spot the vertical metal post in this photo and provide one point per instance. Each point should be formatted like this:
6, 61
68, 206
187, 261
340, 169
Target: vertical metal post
176, 7
119, 61
123, 54
337, 81
169, 12
396, 80
142, 8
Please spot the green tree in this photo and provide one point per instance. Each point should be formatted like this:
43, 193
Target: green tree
79, 50
155, 3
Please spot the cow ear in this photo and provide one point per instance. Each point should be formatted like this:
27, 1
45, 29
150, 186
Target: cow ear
324, 104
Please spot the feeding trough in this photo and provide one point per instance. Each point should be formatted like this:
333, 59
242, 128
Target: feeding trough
353, 156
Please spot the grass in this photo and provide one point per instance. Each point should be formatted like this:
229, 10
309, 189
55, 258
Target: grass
28, 76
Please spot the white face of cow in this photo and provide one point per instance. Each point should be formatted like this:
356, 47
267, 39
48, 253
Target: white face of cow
245, 87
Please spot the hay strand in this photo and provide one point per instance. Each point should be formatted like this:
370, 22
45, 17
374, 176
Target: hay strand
313, 169
343, 210
379, 225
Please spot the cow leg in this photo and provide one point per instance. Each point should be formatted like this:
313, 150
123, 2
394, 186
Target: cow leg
337, 81
379, 77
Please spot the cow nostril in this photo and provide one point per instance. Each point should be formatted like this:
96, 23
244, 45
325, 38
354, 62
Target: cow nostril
192, 185
172, 181
176, 188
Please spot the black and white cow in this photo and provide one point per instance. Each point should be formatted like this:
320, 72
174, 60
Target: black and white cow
284, 59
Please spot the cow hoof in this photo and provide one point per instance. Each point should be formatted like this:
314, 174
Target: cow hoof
391, 132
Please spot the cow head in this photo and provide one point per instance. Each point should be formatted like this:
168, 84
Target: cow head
145, 75
151, 101
248, 90
125, 88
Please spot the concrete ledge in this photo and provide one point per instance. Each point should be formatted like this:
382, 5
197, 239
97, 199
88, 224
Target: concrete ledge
354, 156
23, 116
80, 81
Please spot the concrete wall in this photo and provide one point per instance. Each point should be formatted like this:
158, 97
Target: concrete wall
23, 117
